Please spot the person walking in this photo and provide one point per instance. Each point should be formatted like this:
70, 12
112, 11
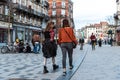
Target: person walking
27, 48
111, 41
36, 43
65, 39
81, 42
93, 41
49, 47
100, 42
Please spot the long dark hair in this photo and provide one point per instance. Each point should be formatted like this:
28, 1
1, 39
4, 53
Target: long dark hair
65, 23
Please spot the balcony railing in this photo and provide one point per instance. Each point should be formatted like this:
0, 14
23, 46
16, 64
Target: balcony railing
6, 18
22, 8
29, 10
3, 0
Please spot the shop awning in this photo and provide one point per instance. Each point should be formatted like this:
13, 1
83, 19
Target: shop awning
5, 27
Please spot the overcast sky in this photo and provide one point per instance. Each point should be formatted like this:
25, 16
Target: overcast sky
87, 12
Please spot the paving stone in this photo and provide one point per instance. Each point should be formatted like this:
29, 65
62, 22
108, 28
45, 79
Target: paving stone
30, 66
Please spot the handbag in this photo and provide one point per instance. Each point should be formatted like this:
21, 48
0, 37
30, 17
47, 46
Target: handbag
73, 43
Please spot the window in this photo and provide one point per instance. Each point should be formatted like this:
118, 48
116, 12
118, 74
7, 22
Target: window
63, 12
63, 4
20, 17
54, 12
0, 10
6, 10
25, 18
14, 1
54, 4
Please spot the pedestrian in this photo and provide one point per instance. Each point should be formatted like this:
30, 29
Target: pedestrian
16, 45
36, 43
49, 47
81, 42
21, 46
100, 42
111, 41
27, 48
105, 41
93, 41
65, 38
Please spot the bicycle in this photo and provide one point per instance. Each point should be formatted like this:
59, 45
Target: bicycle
8, 49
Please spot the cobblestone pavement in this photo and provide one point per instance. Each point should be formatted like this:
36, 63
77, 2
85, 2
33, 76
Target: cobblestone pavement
30, 66
100, 64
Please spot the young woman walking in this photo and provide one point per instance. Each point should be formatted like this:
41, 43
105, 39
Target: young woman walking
65, 38
49, 47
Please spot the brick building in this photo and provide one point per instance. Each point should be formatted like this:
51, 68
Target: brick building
60, 9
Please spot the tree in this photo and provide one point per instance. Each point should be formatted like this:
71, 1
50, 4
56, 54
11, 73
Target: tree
110, 20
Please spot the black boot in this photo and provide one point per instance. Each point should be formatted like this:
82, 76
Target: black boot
45, 70
55, 67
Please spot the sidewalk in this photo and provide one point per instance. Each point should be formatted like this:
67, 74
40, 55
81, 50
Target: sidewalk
30, 66
101, 64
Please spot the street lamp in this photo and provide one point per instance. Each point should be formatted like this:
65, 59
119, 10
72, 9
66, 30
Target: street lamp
9, 16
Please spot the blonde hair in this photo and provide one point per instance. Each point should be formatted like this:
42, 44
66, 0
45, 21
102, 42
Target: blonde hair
48, 27
17, 40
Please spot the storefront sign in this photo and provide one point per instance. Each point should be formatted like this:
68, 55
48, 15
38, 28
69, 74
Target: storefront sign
5, 25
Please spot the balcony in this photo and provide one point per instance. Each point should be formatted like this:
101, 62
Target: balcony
3, 0
21, 7
5, 18
46, 4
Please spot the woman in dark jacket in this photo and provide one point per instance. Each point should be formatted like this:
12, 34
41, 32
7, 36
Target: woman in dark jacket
49, 47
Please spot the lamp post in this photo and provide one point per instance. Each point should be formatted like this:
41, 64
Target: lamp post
9, 16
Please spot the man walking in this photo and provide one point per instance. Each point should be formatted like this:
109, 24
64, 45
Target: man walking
81, 42
36, 43
93, 41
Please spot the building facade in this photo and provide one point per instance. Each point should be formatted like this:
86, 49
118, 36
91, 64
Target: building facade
117, 22
60, 9
100, 30
22, 18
